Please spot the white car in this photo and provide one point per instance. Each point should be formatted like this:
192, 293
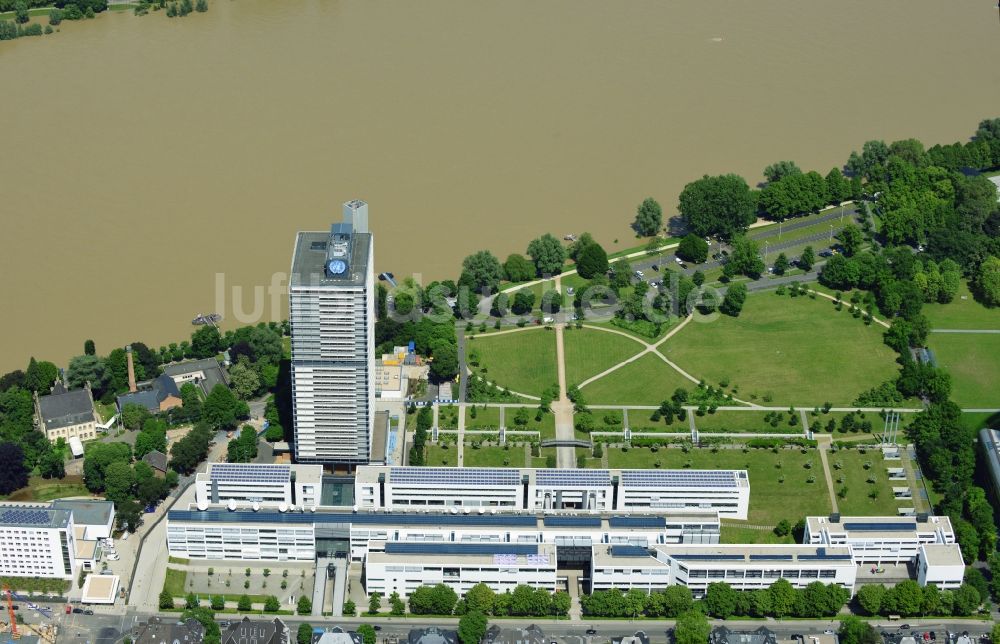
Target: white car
678, 260
113, 557
125, 536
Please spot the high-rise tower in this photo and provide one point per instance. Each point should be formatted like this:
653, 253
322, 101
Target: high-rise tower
331, 295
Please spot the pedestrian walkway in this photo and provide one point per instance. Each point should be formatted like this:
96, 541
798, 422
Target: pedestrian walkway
562, 409
460, 446
823, 443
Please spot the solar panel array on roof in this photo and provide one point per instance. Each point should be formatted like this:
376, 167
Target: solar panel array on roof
629, 551
425, 548
249, 473
881, 527
306, 518
578, 478
25, 516
774, 557
680, 478
695, 557
576, 522
825, 557
450, 476
637, 522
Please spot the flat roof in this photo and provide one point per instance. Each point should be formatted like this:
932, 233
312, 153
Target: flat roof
544, 477
684, 478
509, 555
943, 554
572, 478
85, 549
452, 476
883, 526
309, 261
722, 554
100, 589
21, 516
249, 473
87, 511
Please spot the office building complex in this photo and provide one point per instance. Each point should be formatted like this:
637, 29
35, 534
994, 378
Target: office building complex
331, 297
880, 540
52, 539
537, 490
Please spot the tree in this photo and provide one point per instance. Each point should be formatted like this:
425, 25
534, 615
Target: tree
783, 597
693, 249
783, 528
305, 633
781, 264
480, 598
870, 598
367, 633
722, 205
166, 599
445, 363
988, 281
119, 481
733, 301
218, 602
375, 603
39, 376
692, 627
807, 258
905, 598
304, 606
133, 415
481, 271
472, 627
548, 254
84, 369
781, 169
840, 273
244, 380
272, 605
51, 465
854, 630
220, 407
206, 342
648, 218
100, 456
201, 6
851, 239
396, 604
591, 261
552, 301
677, 600
524, 301
21, 12
244, 604
720, 600
350, 608
837, 186
745, 258
518, 269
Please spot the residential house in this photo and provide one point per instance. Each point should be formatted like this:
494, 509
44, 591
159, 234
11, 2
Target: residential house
167, 630
156, 396
204, 373
156, 460
249, 631
67, 413
432, 635
723, 635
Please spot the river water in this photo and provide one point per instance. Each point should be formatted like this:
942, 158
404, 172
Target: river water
145, 156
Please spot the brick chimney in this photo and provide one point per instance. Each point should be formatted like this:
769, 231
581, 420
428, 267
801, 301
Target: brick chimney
131, 369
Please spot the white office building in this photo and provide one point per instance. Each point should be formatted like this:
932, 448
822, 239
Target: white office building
744, 567
36, 541
726, 492
941, 565
246, 485
332, 315
402, 567
880, 540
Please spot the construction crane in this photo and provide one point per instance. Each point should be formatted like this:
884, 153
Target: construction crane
14, 634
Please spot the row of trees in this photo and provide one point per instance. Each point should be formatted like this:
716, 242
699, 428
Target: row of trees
523, 601
425, 419
909, 599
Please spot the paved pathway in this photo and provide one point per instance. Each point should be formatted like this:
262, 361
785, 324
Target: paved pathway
965, 330
460, 441
562, 409
824, 443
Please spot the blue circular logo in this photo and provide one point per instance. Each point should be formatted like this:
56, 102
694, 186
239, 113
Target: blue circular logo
336, 266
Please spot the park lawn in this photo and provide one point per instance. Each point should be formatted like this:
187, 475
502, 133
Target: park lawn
857, 502
448, 416
39, 489
522, 361
546, 427
964, 312
792, 350
105, 411
978, 420
438, 456
542, 461
740, 422
734, 533
646, 381
486, 418
770, 499
589, 352
175, 582
973, 360
589, 461
493, 456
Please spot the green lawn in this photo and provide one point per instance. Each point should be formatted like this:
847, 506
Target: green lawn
794, 350
40, 489
979, 420
963, 312
855, 478
437, 456
771, 500
448, 417
486, 418
973, 360
175, 582
493, 456
523, 361
744, 422
733, 533
546, 427
646, 381
105, 411
589, 352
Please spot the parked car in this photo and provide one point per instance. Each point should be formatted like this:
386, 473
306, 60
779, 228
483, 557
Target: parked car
570, 290
904, 627
87, 611
78, 611
113, 557
125, 536
678, 260
591, 631
655, 267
